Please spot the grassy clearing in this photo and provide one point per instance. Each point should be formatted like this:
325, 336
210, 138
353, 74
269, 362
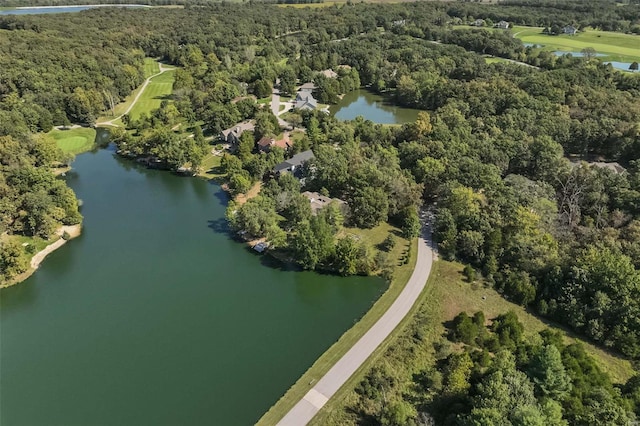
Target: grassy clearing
377, 235
494, 59
310, 5
210, 167
446, 295
74, 141
252, 192
264, 101
151, 67
616, 46
158, 89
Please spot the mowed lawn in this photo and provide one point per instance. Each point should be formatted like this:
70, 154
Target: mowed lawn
158, 89
623, 46
74, 141
151, 67
617, 46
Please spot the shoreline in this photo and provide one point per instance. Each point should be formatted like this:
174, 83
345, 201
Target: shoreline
74, 231
80, 5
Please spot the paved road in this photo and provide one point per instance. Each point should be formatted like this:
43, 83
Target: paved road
275, 106
327, 386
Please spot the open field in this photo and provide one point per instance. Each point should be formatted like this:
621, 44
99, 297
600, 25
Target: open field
347, 340
445, 295
151, 67
616, 46
76, 140
158, 89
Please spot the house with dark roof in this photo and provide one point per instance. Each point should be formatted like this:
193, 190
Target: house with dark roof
305, 100
502, 25
570, 29
293, 164
478, 23
232, 134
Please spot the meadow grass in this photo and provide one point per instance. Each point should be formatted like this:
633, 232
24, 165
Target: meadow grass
446, 295
74, 141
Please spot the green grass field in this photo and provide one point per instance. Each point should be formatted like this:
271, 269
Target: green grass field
151, 67
446, 295
616, 46
158, 89
210, 167
350, 337
74, 141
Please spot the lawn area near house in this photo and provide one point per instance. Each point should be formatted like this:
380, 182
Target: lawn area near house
74, 141
209, 167
446, 295
158, 89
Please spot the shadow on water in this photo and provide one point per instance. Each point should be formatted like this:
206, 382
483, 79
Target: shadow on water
219, 226
220, 194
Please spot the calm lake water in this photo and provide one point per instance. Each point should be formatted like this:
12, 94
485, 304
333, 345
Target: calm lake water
154, 316
59, 9
372, 107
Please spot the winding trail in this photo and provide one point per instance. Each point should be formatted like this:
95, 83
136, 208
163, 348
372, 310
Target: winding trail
328, 385
135, 100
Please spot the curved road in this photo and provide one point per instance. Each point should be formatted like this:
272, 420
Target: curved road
329, 384
135, 100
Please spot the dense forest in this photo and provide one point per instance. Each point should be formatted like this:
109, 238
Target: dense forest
516, 161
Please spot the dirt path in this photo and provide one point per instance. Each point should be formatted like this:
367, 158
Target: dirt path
329, 384
73, 232
135, 100
37, 259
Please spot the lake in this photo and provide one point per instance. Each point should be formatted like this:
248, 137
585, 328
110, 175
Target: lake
154, 316
372, 107
60, 9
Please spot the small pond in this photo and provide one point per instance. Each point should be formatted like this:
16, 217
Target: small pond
372, 107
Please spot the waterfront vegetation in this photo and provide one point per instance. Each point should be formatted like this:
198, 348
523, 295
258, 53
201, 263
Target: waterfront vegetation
346, 341
492, 147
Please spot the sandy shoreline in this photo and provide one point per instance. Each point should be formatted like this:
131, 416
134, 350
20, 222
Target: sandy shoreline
73, 231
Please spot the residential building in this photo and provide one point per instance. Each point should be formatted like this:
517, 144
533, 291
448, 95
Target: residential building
294, 164
319, 201
232, 134
305, 100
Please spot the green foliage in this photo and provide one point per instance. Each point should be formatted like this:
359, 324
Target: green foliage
12, 260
